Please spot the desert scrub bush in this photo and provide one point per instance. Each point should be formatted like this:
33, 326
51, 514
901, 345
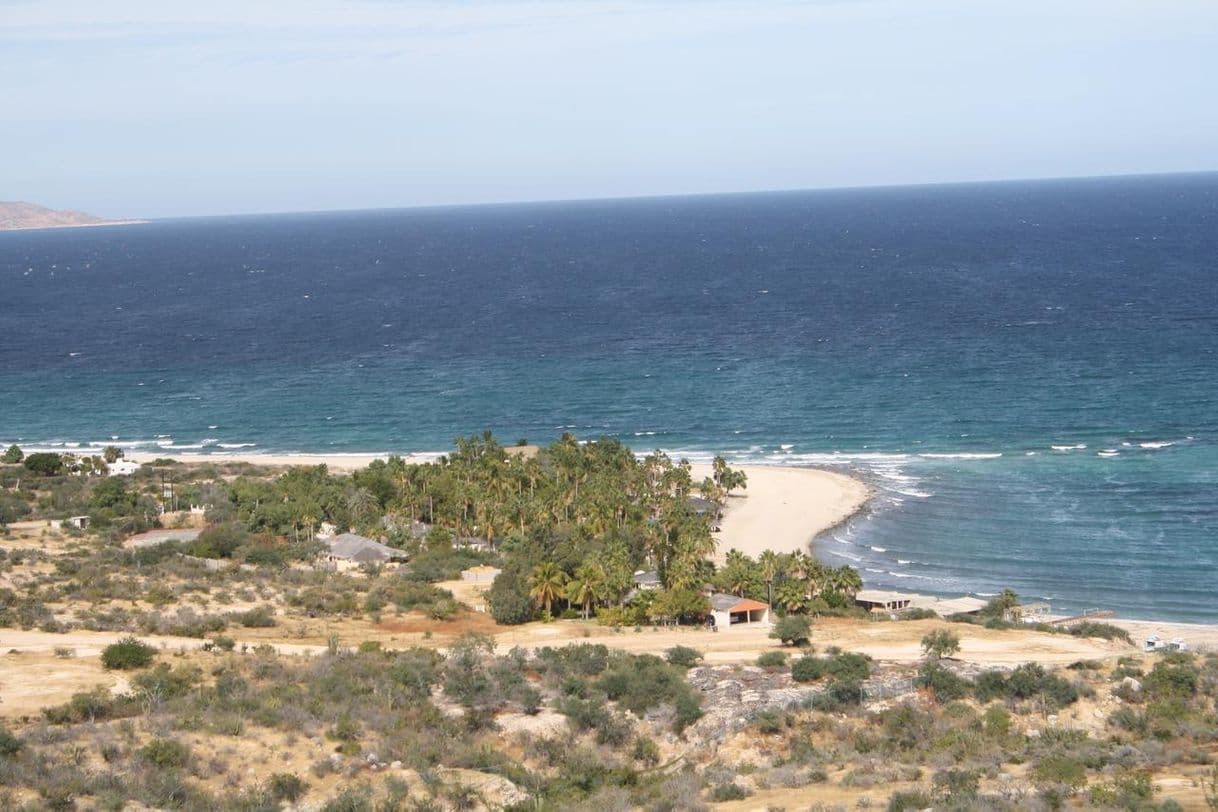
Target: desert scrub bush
770, 721
792, 630
127, 653
1105, 631
808, 669
728, 792
645, 751
945, 685
683, 656
260, 617
918, 614
641, 682
165, 753
10, 745
773, 659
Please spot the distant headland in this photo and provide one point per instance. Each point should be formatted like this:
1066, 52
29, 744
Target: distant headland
19, 215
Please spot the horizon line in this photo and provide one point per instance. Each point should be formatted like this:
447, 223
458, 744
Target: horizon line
673, 195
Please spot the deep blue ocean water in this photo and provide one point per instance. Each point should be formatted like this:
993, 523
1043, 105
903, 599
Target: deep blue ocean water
1024, 371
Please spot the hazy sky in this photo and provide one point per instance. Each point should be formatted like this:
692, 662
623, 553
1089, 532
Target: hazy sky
165, 108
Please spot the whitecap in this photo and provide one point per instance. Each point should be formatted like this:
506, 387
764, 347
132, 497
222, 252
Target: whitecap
905, 561
1108, 452
962, 456
1078, 447
237, 445
916, 494
879, 549
1156, 444
786, 446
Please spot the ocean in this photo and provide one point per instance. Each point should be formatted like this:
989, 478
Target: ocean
1023, 371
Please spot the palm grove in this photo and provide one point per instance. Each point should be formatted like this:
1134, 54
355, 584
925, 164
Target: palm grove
569, 526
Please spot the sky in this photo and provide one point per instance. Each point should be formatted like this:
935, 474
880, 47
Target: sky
127, 108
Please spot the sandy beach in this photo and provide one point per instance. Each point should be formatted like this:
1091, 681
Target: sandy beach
784, 508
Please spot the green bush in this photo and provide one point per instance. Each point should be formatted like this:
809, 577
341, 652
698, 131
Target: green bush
127, 653
808, 669
260, 617
946, 686
728, 792
1103, 630
9, 744
792, 630
1060, 769
165, 753
683, 656
286, 787
773, 659
509, 601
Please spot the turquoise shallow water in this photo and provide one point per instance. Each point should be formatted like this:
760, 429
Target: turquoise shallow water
1023, 371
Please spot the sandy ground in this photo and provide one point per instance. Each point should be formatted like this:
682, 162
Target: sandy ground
784, 508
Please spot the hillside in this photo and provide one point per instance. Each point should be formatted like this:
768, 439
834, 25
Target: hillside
18, 215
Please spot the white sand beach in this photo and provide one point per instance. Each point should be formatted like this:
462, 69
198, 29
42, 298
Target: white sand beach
784, 508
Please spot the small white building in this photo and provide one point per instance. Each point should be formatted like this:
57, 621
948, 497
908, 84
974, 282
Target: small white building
732, 610
122, 468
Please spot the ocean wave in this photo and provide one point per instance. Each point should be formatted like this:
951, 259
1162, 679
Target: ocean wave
236, 445
1156, 444
988, 455
913, 493
1078, 447
1108, 452
879, 549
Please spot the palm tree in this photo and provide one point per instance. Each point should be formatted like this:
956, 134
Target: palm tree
770, 563
793, 596
546, 584
847, 580
588, 586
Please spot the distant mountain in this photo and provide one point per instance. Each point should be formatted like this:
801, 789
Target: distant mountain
28, 215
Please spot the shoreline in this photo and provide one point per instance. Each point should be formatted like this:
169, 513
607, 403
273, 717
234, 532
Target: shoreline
74, 225
784, 509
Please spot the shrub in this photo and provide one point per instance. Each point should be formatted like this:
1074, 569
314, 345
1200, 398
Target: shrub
286, 787
990, 685
849, 667
43, 464
260, 617
912, 801
127, 653
940, 643
808, 669
9, 744
509, 601
729, 792
1104, 630
683, 656
1060, 769
945, 685
792, 630
918, 614
773, 659
165, 753
646, 751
